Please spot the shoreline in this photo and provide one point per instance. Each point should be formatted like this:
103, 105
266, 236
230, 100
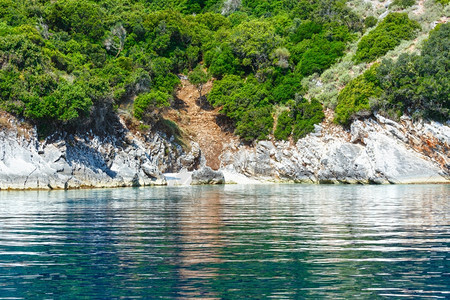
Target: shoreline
230, 179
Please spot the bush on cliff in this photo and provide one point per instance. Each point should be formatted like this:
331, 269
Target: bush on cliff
284, 126
394, 28
306, 114
148, 106
418, 85
354, 98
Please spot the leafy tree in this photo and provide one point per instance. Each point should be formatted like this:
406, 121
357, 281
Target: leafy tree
306, 114
287, 88
370, 21
320, 56
68, 102
221, 61
281, 57
77, 16
404, 3
222, 89
305, 31
418, 85
198, 77
253, 42
116, 39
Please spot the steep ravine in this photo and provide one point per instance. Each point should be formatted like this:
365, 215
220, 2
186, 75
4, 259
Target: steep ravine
200, 124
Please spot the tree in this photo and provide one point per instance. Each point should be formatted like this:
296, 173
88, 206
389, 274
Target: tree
198, 77
306, 114
281, 57
253, 42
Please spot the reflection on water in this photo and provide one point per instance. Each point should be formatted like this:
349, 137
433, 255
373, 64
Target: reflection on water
263, 241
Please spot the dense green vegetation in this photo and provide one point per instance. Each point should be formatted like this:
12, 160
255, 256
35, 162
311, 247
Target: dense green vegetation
199, 77
60, 60
300, 118
65, 62
306, 114
417, 85
284, 126
149, 105
386, 36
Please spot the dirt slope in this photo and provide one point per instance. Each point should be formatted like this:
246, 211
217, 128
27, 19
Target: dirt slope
200, 124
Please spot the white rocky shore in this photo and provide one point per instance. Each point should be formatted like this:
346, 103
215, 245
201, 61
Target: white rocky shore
375, 150
66, 161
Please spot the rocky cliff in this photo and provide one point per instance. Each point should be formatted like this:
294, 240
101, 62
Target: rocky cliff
375, 150
87, 160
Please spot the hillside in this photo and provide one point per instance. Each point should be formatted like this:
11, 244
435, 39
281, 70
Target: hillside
211, 80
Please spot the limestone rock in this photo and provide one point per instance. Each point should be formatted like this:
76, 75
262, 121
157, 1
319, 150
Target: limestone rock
374, 150
378, 151
72, 161
206, 175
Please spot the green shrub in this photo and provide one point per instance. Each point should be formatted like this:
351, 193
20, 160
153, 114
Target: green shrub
68, 102
305, 30
419, 85
221, 61
255, 124
404, 3
222, 89
198, 77
149, 105
320, 56
370, 21
284, 126
355, 96
386, 36
286, 90
306, 114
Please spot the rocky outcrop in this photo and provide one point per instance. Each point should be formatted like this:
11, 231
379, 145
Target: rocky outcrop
206, 175
376, 150
72, 161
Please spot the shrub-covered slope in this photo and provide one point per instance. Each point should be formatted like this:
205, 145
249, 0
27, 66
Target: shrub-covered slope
74, 63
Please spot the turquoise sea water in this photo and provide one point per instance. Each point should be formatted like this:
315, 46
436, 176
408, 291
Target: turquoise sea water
227, 242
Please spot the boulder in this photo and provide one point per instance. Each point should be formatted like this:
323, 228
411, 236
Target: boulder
206, 175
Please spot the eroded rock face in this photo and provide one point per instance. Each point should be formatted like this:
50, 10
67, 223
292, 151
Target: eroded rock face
376, 151
206, 175
87, 160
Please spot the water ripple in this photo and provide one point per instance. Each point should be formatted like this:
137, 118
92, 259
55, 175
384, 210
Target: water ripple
276, 241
